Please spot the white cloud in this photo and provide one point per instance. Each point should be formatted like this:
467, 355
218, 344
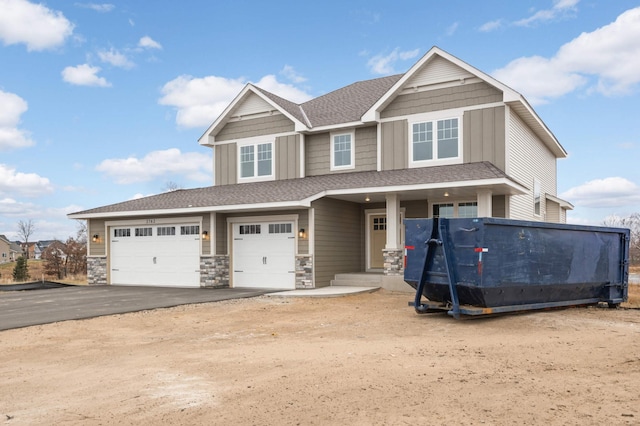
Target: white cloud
192, 165
292, 75
491, 26
24, 184
115, 58
199, 101
84, 75
560, 9
102, 7
384, 64
35, 25
610, 54
451, 29
149, 43
12, 107
604, 193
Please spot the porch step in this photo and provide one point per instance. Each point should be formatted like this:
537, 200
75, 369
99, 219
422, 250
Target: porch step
358, 280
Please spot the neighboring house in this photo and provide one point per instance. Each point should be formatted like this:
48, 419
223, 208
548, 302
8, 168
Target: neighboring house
5, 249
303, 192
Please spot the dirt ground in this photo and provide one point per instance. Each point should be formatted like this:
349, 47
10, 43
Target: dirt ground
358, 360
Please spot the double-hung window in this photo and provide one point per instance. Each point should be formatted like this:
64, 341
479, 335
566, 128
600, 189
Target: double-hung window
342, 151
256, 161
437, 141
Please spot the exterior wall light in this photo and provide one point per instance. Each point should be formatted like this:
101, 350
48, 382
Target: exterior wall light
301, 233
95, 238
446, 194
205, 235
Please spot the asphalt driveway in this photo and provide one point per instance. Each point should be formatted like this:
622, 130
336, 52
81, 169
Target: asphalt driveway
34, 307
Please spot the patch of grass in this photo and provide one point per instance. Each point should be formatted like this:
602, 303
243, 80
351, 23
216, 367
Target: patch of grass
36, 273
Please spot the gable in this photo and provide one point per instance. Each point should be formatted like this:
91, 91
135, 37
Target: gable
252, 105
438, 70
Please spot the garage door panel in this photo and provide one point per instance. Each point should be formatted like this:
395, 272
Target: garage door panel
264, 258
156, 260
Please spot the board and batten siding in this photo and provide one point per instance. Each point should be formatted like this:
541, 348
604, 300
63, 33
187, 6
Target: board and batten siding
318, 152
287, 157
225, 164
528, 159
460, 96
262, 126
484, 136
394, 145
338, 239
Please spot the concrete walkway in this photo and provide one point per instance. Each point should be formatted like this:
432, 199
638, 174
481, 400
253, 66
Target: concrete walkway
331, 291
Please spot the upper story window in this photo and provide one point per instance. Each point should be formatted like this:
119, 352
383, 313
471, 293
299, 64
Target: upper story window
342, 151
256, 161
536, 197
437, 141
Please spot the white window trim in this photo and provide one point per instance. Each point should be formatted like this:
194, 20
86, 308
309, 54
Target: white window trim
353, 150
435, 161
255, 143
455, 203
537, 187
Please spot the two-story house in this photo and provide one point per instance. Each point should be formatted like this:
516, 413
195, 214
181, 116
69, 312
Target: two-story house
303, 192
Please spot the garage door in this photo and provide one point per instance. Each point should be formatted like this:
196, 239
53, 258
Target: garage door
264, 255
158, 255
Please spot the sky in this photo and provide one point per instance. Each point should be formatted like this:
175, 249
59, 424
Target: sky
104, 102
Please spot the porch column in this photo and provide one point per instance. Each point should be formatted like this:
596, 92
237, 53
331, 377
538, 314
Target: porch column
393, 222
393, 253
485, 203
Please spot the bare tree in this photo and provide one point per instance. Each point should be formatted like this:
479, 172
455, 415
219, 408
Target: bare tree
171, 186
25, 229
631, 222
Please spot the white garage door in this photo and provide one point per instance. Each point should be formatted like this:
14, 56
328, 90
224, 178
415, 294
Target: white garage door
264, 255
157, 255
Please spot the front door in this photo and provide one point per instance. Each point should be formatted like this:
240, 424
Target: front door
377, 240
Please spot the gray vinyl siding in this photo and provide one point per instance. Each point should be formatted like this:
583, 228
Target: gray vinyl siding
553, 212
221, 234
499, 206
415, 209
484, 136
441, 99
318, 152
317, 161
366, 143
287, 157
527, 159
394, 145
226, 160
339, 239
262, 126
96, 226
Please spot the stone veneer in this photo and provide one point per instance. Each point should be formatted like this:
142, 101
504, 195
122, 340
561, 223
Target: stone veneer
214, 271
393, 261
97, 270
304, 271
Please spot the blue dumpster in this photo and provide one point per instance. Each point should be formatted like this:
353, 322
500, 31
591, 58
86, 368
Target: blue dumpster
483, 266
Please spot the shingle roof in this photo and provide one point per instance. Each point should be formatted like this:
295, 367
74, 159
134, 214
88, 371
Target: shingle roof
295, 190
345, 105
349, 103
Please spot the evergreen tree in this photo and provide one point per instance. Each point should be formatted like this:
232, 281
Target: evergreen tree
21, 270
